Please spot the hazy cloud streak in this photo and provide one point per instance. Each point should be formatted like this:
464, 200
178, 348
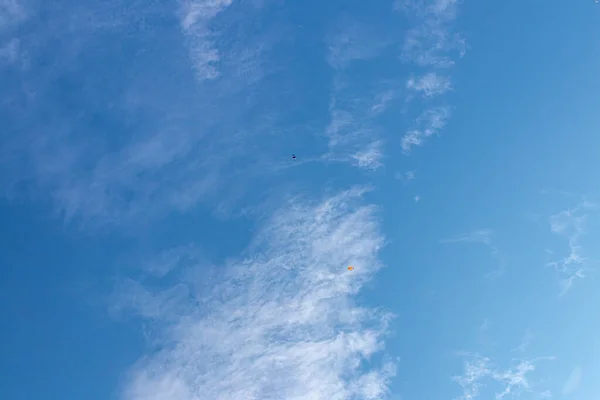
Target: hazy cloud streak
282, 323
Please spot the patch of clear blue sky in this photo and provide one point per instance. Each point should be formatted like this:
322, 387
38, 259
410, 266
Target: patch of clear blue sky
525, 119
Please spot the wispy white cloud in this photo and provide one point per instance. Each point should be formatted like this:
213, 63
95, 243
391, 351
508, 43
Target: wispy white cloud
195, 19
163, 143
118, 186
433, 44
573, 381
360, 97
345, 131
279, 323
429, 123
351, 114
430, 84
352, 131
476, 369
571, 225
405, 176
352, 134
370, 157
382, 101
353, 41
515, 379
481, 372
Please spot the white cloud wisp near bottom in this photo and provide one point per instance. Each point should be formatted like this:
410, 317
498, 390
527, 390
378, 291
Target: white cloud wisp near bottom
283, 323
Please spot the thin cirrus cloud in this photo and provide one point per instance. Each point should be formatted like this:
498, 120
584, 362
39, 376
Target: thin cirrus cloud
432, 44
356, 99
382, 101
196, 16
428, 44
353, 41
155, 139
429, 123
570, 224
190, 135
370, 157
405, 177
281, 323
352, 138
430, 84
220, 44
353, 135
186, 140
481, 373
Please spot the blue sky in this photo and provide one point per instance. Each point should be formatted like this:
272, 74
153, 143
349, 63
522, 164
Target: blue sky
158, 241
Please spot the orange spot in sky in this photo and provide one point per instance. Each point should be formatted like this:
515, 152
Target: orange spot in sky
351, 268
